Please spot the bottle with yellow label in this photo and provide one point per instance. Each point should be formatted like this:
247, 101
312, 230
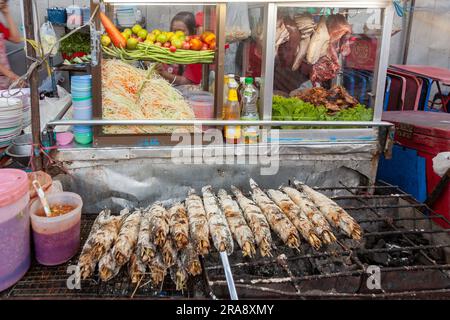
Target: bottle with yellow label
232, 111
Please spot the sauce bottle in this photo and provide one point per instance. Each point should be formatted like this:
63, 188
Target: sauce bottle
232, 112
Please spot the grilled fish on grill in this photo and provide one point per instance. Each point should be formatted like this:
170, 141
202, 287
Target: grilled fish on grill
108, 267
179, 275
87, 260
296, 216
239, 228
127, 238
179, 225
146, 249
277, 220
256, 221
322, 227
159, 224
158, 269
136, 268
169, 253
189, 258
106, 235
198, 223
335, 215
218, 227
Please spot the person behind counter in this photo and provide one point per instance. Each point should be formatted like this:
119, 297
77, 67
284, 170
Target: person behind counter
10, 33
182, 74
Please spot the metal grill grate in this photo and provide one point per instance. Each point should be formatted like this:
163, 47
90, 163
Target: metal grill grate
410, 250
413, 254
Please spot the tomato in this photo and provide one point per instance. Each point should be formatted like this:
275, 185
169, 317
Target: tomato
159, 44
187, 38
212, 45
166, 44
172, 49
205, 47
186, 45
196, 44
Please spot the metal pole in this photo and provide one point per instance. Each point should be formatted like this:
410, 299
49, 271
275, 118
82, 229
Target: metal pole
34, 86
408, 31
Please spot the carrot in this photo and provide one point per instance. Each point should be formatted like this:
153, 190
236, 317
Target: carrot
116, 37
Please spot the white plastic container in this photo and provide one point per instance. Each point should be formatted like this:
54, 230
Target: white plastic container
14, 227
56, 239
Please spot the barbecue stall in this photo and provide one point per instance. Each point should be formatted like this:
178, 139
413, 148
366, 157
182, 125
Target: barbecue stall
322, 117
334, 127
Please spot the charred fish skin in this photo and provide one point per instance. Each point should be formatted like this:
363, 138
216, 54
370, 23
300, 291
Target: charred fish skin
335, 215
108, 267
257, 222
296, 216
127, 238
218, 226
314, 215
238, 226
179, 275
146, 249
179, 225
159, 225
169, 253
276, 218
106, 236
136, 268
87, 260
198, 223
190, 260
158, 270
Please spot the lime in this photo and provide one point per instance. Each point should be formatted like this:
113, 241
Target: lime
136, 28
126, 35
128, 30
156, 32
142, 34
161, 38
105, 40
132, 43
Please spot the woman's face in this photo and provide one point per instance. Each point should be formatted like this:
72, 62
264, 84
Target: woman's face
179, 26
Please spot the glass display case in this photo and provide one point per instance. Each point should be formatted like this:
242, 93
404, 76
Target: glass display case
313, 62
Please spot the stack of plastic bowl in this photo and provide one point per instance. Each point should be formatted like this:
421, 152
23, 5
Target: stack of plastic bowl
11, 120
82, 107
24, 95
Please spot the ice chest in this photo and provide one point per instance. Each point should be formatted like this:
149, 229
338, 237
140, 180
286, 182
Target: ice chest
428, 133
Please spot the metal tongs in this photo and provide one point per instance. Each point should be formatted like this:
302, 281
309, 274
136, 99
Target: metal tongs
228, 275
41, 194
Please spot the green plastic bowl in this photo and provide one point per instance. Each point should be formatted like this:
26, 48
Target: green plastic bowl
83, 138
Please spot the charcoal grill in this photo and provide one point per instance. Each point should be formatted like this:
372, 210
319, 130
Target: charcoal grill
400, 238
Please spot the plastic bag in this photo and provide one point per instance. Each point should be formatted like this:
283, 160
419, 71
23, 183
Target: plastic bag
74, 17
237, 24
441, 163
49, 41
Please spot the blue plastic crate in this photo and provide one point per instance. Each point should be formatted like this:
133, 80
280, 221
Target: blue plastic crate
407, 170
57, 15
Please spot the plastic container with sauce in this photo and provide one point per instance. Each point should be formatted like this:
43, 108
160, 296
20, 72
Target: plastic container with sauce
56, 239
14, 227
